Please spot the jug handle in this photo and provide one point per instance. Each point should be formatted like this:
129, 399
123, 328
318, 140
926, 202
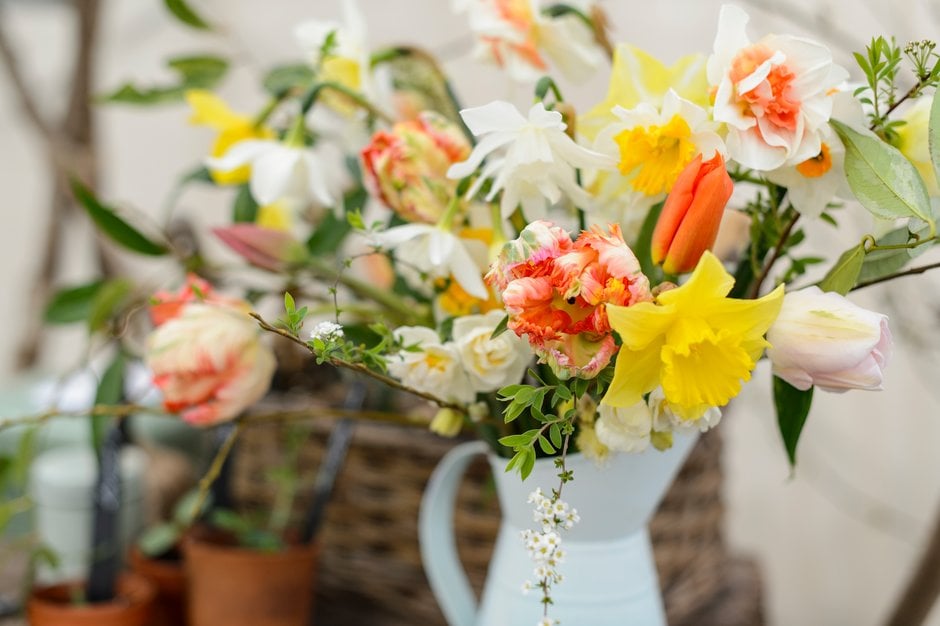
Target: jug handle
438, 543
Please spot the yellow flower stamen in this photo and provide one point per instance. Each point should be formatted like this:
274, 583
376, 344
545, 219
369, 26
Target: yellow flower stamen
656, 153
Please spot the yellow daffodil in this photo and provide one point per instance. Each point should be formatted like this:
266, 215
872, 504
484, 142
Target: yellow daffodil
639, 78
210, 110
695, 342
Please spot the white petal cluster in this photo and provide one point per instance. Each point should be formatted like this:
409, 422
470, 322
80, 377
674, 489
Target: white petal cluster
327, 331
544, 546
530, 160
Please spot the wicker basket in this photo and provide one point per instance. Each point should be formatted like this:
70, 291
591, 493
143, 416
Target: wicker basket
371, 568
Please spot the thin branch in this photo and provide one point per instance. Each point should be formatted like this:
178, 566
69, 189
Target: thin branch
27, 102
911, 272
778, 249
362, 369
205, 483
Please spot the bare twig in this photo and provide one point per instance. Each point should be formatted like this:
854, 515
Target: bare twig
362, 369
910, 272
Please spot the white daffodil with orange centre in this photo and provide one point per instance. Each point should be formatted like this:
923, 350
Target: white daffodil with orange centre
774, 96
652, 146
518, 36
814, 183
530, 160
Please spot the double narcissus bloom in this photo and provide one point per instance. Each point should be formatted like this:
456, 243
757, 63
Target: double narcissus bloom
688, 224
775, 96
206, 355
693, 341
517, 35
406, 168
556, 292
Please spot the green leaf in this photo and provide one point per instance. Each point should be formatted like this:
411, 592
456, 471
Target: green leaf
23, 459
244, 209
644, 243
509, 391
71, 304
880, 263
285, 77
328, 236
195, 72
554, 433
933, 133
882, 178
185, 14
108, 222
110, 391
184, 513
158, 540
792, 409
517, 441
546, 445
107, 302
502, 327
844, 274
528, 462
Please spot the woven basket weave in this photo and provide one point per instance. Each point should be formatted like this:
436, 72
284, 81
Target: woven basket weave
371, 571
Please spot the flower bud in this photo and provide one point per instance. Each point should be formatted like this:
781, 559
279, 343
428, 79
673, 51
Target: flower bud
821, 338
407, 168
447, 423
688, 224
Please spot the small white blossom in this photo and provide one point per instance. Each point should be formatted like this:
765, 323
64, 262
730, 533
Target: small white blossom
327, 331
546, 621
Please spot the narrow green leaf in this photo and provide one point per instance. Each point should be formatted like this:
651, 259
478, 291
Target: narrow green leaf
289, 305
329, 235
644, 243
107, 302
158, 540
23, 459
502, 327
285, 77
185, 14
244, 209
107, 220
110, 391
528, 462
513, 411
71, 304
515, 441
844, 274
882, 179
792, 410
933, 133
195, 72
563, 392
554, 433
546, 445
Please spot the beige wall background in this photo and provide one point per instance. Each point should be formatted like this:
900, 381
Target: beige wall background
835, 541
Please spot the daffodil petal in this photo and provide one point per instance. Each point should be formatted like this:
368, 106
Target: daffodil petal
635, 373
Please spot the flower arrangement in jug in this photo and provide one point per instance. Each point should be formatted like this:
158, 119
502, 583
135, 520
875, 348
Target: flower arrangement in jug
550, 278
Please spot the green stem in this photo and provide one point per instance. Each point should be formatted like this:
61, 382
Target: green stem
297, 135
446, 222
213, 472
266, 112
356, 97
406, 311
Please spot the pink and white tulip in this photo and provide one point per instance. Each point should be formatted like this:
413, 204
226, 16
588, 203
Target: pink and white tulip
823, 339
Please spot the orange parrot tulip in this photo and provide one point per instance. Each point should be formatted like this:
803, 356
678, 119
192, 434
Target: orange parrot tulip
688, 224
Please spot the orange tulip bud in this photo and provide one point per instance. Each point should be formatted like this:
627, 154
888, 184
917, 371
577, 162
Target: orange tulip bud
688, 224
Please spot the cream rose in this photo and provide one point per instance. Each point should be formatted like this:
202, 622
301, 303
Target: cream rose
429, 365
490, 362
624, 429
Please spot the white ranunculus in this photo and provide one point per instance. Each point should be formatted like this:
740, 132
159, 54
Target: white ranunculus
823, 339
429, 365
625, 429
491, 363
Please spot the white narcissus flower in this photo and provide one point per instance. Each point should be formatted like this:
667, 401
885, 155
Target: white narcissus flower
209, 362
624, 429
430, 365
821, 338
814, 183
532, 161
347, 61
490, 362
912, 141
438, 252
296, 175
775, 96
514, 33
664, 420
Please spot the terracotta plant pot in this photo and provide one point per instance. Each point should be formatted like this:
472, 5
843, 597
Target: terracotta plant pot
233, 586
53, 606
169, 577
